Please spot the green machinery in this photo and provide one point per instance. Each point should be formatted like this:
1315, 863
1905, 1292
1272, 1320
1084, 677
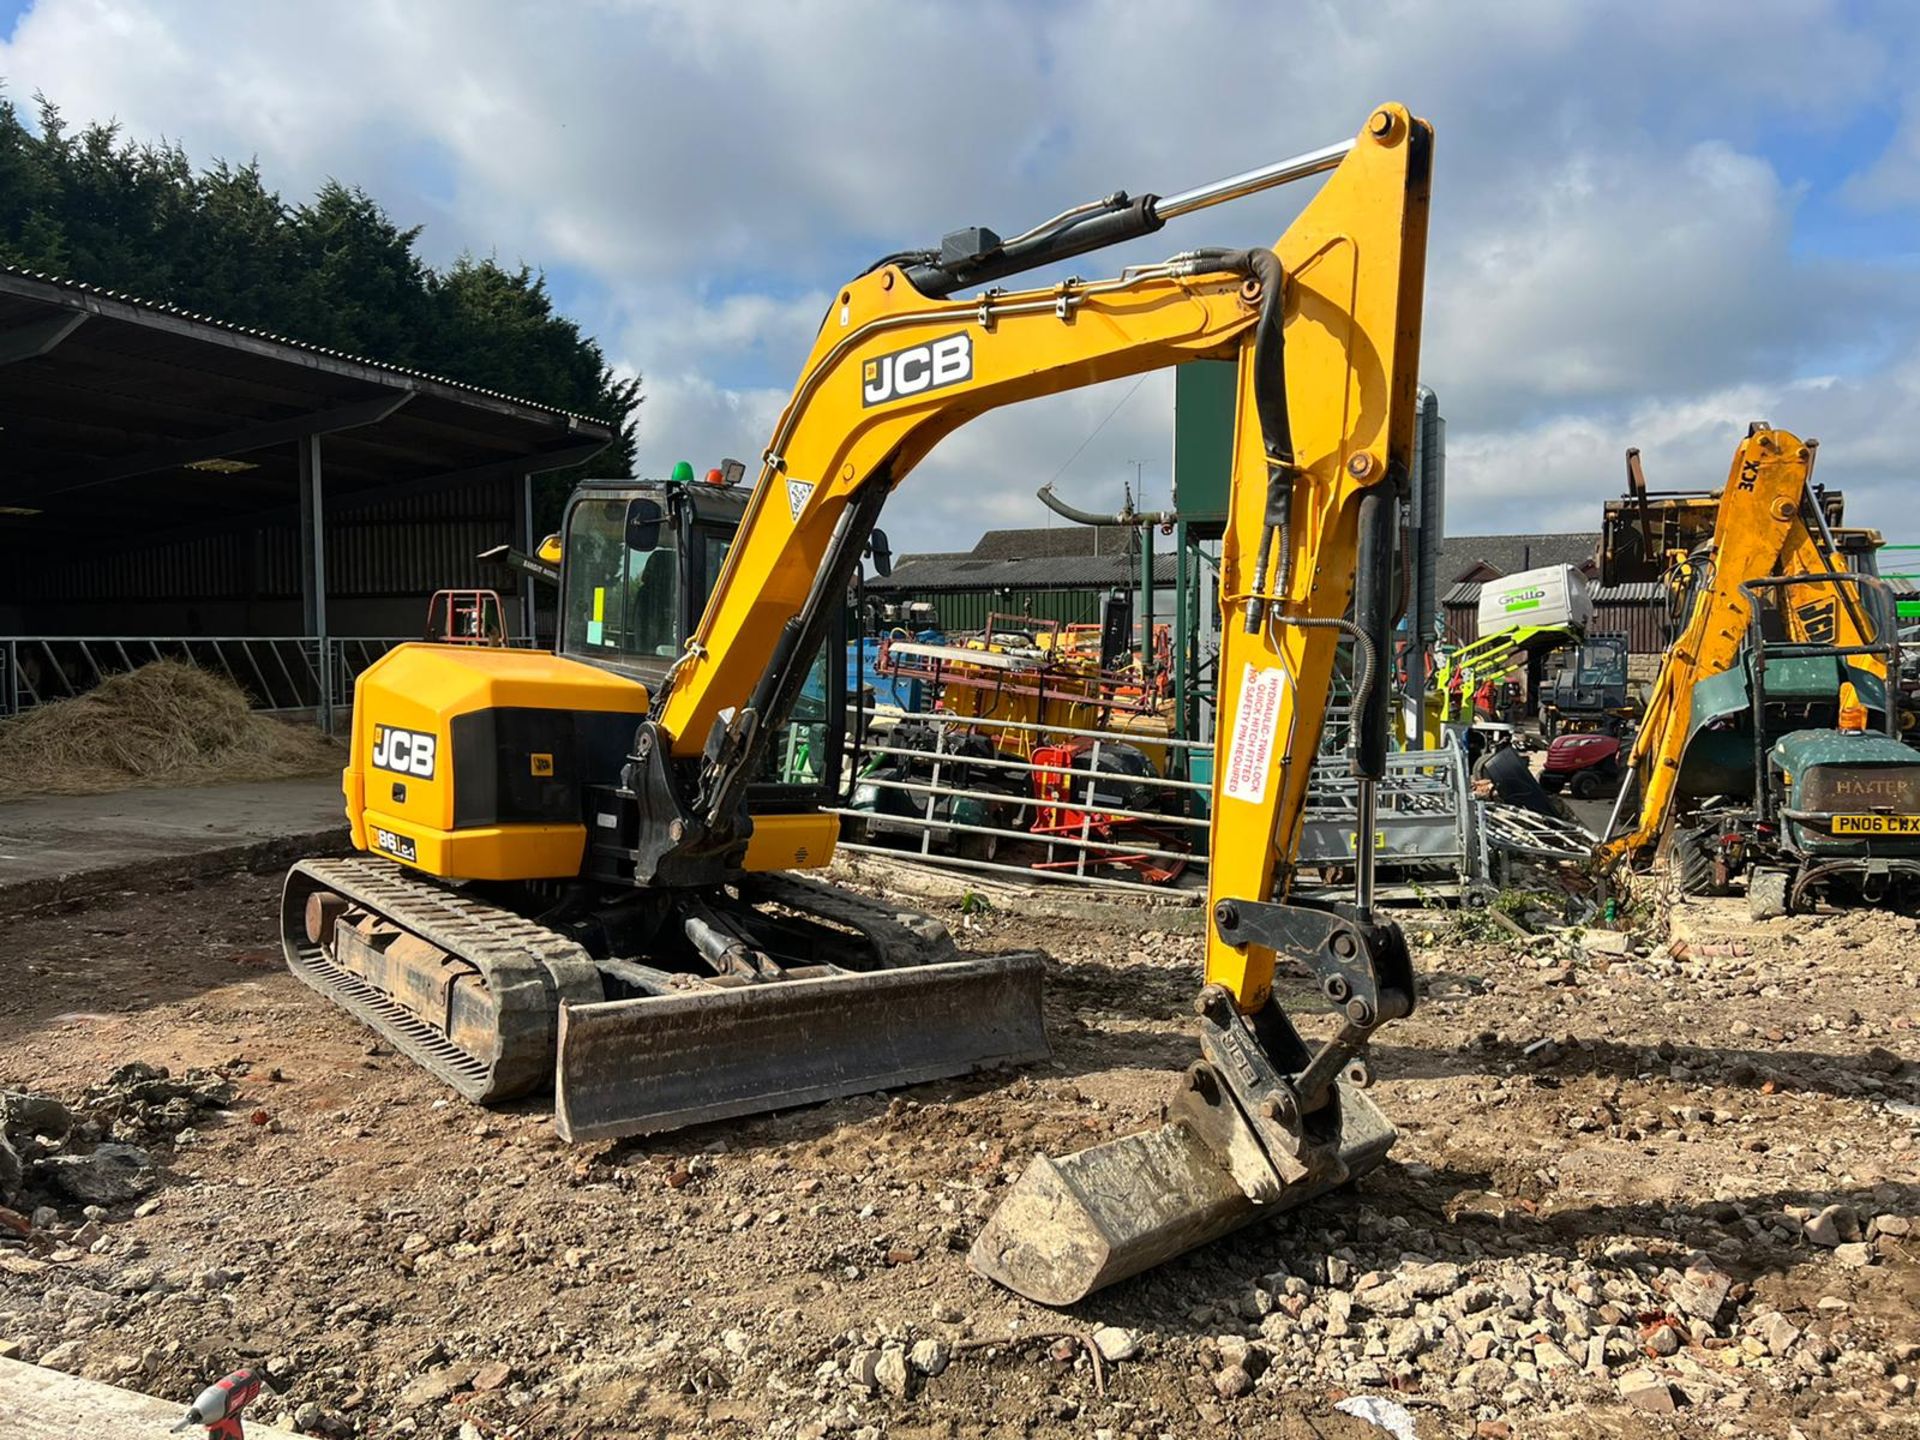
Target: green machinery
1795, 759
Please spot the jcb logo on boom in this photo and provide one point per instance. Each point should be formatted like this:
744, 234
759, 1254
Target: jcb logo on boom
917, 369
405, 752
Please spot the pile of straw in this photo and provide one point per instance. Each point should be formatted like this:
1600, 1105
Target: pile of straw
167, 723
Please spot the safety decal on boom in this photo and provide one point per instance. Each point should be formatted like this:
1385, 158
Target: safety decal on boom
798, 493
1256, 721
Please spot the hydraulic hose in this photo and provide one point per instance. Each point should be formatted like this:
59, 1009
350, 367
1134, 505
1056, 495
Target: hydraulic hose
1276, 428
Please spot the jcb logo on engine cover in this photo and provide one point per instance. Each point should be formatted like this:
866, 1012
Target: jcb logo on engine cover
405, 752
946, 361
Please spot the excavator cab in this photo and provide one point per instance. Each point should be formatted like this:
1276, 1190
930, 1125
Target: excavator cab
638, 561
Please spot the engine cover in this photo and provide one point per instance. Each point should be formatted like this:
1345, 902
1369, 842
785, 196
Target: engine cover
472, 763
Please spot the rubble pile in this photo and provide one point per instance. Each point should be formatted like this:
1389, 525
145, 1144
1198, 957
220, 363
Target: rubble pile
97, 1153
1636, 1191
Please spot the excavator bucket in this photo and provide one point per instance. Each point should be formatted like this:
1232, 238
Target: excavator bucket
659, 1062
1075, 1225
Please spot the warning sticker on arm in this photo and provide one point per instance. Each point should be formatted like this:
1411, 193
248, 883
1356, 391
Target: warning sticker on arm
1256, 723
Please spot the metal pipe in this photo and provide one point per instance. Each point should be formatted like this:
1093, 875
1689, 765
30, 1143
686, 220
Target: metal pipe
1128, 516
1151, 781
1146, 609
1620, 803
1171, 896
1248, 182
1084, 841
1021, 802
968, 722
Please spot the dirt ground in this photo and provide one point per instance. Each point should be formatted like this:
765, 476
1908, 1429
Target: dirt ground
1603, 1234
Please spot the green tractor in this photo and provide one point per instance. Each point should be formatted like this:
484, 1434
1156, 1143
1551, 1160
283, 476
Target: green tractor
1794, 764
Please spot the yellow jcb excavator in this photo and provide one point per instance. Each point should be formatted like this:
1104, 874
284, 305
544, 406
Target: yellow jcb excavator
575, 860
1760, 754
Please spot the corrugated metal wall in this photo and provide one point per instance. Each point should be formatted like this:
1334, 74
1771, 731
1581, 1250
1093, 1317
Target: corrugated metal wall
410, 546
965, 610
1643, 622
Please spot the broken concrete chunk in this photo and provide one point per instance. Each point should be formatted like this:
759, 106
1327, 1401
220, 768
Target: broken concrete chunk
1115, 1343
437, 1385
1648, 1391
1703, 1290
893, 1374
1833, 1226
931, 1357
112, 1174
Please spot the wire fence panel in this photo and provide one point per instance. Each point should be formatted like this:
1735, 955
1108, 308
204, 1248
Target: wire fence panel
1041, 802
280, 674
1096, 807
1427, 837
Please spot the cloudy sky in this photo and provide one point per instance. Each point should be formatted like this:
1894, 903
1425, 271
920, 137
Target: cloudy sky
1651, 223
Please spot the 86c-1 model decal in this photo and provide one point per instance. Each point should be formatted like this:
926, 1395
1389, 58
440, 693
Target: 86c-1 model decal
401, 847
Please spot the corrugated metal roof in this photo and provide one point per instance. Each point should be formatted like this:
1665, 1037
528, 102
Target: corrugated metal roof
1510, 554
1635, 592
1046, 541
1467, 593
79, 288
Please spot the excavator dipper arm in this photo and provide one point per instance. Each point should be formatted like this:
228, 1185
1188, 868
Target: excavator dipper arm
1324, 328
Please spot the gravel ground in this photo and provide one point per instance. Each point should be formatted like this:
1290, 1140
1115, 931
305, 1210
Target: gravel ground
1635, 1193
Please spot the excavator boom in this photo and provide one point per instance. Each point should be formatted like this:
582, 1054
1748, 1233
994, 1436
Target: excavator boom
1324, 328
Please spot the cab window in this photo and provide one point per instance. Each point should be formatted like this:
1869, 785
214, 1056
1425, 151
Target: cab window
622, 584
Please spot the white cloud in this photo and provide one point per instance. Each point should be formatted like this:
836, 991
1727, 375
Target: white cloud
1560, 470
1892, 182
688, 417
1612, 250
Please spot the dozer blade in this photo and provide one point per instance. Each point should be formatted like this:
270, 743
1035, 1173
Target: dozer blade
636, 1067
1070, 1227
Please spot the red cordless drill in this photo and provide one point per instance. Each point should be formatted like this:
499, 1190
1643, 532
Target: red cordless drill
220, 1404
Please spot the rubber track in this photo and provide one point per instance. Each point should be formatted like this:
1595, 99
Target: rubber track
526, 967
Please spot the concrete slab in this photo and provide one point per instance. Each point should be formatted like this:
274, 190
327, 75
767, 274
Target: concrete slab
55, 847
37, 1404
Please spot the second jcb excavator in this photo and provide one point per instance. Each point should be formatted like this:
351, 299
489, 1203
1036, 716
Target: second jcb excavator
577, 854
1769, 749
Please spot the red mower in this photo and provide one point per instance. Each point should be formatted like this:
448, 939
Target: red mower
1588, 765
